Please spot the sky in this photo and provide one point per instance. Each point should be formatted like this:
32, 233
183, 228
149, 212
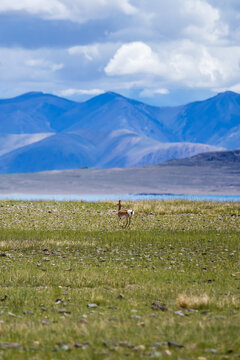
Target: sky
162, 52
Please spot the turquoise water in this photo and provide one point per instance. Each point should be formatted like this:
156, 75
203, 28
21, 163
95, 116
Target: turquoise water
132, 197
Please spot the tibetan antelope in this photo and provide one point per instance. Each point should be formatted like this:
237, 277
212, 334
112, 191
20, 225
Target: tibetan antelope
127, 213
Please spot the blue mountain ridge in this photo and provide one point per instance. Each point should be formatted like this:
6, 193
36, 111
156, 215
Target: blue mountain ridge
47, 132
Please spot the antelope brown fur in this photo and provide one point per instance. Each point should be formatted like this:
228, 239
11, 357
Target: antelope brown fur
127, 213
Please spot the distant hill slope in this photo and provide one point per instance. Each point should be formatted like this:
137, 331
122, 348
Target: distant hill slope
215, 121
44, 132
61, 151
218, 158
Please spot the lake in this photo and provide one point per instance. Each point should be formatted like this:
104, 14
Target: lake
131, 197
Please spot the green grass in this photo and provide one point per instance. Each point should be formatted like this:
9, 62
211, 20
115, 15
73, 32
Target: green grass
58, 257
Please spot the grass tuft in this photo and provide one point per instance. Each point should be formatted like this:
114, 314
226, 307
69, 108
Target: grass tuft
187, 301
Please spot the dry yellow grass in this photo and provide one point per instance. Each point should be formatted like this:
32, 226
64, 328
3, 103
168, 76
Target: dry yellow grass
192, 301
228, 300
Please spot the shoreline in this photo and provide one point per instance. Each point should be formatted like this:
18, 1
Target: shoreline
124, 197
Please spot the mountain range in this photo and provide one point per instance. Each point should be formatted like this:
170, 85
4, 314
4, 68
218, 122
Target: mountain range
41, 132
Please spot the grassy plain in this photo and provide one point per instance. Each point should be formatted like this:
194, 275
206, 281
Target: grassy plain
75, 285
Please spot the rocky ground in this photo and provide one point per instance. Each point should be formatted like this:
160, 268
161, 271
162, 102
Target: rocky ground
74, 284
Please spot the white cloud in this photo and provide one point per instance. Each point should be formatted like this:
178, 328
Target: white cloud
169, 20
149, 45
35, 67
181, 63
45, 8
235, 88
204, 22
43, 64
77, 10
133, 58
89, 51
148, 93
193, 65
70, 92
